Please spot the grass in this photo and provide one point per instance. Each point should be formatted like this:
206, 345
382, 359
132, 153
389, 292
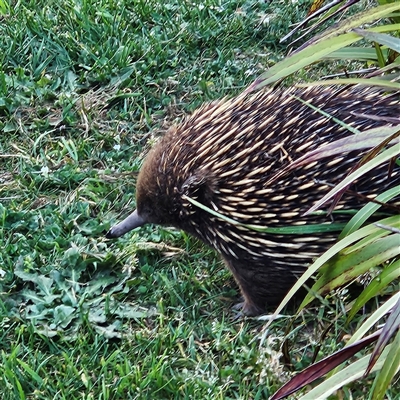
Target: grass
85, 88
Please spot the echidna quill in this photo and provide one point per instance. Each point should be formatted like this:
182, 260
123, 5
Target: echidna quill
224, 156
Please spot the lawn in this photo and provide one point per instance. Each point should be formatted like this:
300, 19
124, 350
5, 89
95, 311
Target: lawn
85, 89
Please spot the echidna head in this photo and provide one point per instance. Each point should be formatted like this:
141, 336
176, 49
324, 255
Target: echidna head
152, 204
157, 197
161, 189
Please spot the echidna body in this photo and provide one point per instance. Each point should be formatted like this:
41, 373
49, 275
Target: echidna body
224, 155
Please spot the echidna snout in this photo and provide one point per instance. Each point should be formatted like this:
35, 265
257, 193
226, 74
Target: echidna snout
131, 222
224, 156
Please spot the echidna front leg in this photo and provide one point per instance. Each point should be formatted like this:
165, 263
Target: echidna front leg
247, 309
252, 291
262, 285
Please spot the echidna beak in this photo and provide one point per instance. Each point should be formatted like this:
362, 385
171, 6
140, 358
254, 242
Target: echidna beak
132, 221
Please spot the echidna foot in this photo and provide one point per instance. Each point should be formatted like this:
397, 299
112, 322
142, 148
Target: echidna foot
246, 309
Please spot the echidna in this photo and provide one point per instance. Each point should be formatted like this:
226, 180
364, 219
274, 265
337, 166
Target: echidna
223, 156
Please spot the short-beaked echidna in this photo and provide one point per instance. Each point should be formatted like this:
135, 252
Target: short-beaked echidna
223, 156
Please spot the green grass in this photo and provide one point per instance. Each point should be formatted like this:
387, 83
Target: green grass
85, 88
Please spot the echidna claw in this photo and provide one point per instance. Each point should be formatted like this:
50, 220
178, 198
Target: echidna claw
246, 309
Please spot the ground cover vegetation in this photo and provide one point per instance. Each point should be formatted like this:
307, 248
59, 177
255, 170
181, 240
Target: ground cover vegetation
85, 89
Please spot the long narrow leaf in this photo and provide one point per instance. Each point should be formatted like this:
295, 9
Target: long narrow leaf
354, 53
347, 375
368, 240
284, 230
319, 369
389, 369
334, 250
369, 156
310, 17
389, 330
364, 140
379, 55
330, 14
360, 19
331, 40
381, 38
389, 274
365, 212
373, 319
380, 82
348, 240
388, 67
386, 155
30, 372
348, 267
